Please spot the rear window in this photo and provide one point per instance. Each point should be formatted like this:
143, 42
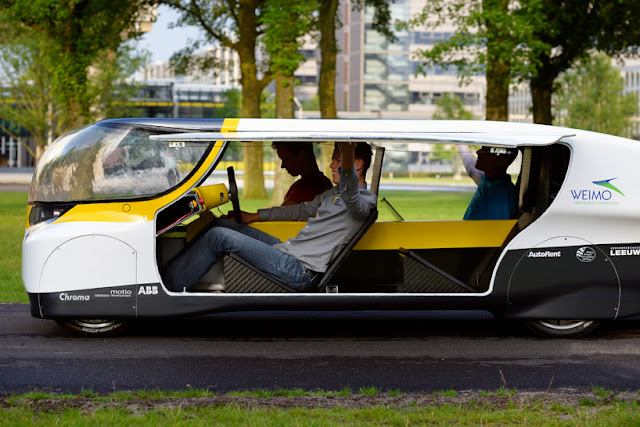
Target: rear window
112, 161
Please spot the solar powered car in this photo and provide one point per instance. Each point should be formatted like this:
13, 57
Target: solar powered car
113, 202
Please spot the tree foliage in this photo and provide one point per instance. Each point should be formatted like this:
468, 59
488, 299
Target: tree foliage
286, 24
494, 37
232, 100
234, 24
72, 35
47, 96
571, 29
533, 40
451, 107
590, 96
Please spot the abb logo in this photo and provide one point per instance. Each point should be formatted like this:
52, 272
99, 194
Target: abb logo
148, 290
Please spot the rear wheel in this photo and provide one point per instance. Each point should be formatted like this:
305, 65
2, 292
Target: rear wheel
95, 327
561, 328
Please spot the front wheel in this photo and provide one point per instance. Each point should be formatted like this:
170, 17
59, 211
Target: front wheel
561, 328
94, 327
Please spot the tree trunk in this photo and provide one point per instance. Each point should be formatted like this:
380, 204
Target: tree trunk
541, 91
497, 98
253, 185
284, 110
498, 68
327, 80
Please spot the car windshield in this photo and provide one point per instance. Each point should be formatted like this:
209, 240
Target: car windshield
112, 161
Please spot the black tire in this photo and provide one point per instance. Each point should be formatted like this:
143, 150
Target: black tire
561, 328
95, 327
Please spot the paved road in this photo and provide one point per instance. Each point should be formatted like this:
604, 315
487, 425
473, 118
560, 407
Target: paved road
405, 351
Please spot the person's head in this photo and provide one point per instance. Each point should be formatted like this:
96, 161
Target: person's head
494, 161
295, 156
362, 159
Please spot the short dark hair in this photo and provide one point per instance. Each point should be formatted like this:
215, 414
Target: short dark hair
363, 152
295, 147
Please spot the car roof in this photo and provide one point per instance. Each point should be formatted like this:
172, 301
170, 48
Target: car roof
437, 131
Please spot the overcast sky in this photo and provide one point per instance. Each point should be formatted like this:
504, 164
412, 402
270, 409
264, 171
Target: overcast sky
162, 41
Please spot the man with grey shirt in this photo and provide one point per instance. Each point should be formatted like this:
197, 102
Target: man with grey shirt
333, 218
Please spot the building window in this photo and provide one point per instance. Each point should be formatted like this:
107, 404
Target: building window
386, 97
380, 66
399, 11
307, 80
307, 53
373, 40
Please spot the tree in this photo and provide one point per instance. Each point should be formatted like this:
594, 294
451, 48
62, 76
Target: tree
234, 24
494, 37
286, 23
29, 102
111, 86
451, 107
72, 35
48, 99
590, 97
570, 29
232, 100
327, 23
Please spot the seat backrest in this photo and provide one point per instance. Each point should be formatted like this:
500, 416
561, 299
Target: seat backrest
377, 170
344, 252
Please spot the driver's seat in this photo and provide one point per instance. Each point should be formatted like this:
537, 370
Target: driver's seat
331, 268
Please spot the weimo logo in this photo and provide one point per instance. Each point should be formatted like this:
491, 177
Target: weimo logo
599, 196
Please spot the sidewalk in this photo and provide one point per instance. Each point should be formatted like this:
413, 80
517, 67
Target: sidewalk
15, 176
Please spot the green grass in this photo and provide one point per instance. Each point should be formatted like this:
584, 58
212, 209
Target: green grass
146, 408
13, 211
412, 205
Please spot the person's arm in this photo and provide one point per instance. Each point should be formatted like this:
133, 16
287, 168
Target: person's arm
469, 162
350, 182
299, 212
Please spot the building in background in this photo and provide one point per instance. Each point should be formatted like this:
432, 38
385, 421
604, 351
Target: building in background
228, 74
374, 75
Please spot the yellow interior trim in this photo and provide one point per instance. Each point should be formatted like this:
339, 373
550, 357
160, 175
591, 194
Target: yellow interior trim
142, 210
29, 207
414, 234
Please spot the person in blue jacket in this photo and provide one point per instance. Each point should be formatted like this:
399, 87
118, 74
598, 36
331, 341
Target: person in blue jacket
496, 196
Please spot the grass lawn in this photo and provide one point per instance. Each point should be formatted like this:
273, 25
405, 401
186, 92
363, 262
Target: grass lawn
13, 211
366, 407
412, 205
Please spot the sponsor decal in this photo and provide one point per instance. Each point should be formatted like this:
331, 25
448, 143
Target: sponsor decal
586, 254
148, 290
115, 293
624, 251
120, 293
605, 193
544, 254
70, 297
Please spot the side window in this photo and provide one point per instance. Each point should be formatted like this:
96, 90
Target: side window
423, 182
543, 172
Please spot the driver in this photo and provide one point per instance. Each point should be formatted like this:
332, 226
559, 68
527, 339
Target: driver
332, 219
496, 196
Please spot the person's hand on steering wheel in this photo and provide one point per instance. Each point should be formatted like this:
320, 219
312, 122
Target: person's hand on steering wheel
246, 217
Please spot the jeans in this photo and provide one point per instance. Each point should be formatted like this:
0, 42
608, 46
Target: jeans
250, 244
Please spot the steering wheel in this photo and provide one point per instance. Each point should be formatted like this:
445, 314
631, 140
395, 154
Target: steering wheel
233, 195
